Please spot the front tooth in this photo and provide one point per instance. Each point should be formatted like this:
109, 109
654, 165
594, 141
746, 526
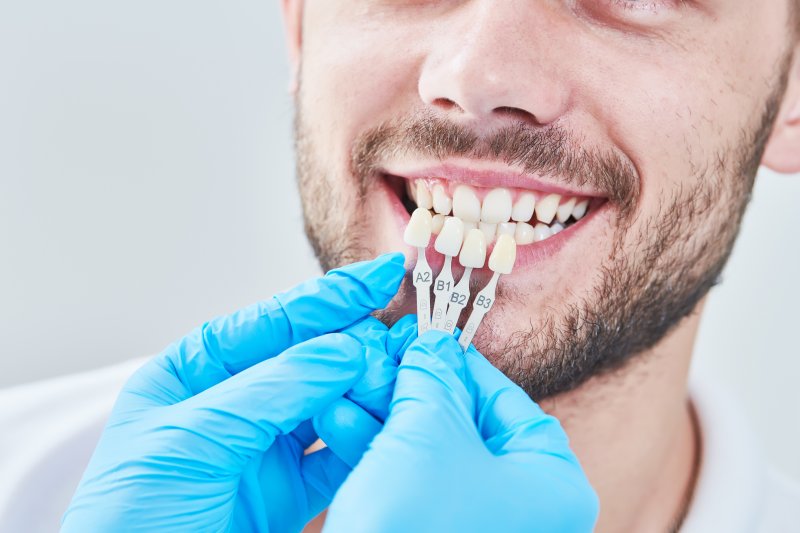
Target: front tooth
524, 233
556, 228
546, 208
451, 237
468, 225
496, 206
437, 223
503, 256
565, 210
466, 205
541, 232
473, 253
580, 209
488, 230
442, 203
424, 199
523, 207
418, 231
506, 228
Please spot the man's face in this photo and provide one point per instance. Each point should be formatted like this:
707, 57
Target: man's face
656, 111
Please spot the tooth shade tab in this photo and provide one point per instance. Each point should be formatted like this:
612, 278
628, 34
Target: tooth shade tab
451, 237
473, 252
506, 228
437, 223
524, 234
503, 255
546, 208
496, 206
423, 196
466, 204
564, 210
419, 229
469, 225
523, 207
442, 203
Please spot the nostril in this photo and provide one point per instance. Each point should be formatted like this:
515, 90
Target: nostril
446, 104
517, 113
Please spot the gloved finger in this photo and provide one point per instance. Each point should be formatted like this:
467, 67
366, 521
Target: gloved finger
229, 423
323, 473
431, 403
346, 429
374, 390
230, 344
400, 336
507, 418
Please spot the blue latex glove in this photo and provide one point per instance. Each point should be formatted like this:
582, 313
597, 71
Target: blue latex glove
463, 449
210, 435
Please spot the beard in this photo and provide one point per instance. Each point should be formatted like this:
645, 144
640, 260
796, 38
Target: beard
658, 269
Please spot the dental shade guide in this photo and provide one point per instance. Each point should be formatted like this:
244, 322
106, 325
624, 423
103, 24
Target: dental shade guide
448, 243
500, 262
418, 234
473, 255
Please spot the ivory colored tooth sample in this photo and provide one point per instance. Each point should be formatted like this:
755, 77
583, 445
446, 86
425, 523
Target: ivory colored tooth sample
451, 237
564, 210
436, 223
580, 209
496, 206
503, 255
466, 205
541, 232
506, 228
523, 207
546, 208
473, 252
524, 234
442, 203
423, 197
419, 229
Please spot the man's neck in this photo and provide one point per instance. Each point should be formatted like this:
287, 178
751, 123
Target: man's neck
635, 436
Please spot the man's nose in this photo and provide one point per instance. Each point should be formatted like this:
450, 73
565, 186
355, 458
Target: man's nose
494, 60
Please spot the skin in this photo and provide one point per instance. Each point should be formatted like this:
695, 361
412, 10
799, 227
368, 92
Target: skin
701, 71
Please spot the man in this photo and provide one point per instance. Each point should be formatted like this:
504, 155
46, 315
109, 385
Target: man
658, 112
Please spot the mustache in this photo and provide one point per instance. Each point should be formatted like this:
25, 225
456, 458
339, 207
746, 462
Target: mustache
544, 150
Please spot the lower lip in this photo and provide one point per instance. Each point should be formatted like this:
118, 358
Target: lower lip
528, 255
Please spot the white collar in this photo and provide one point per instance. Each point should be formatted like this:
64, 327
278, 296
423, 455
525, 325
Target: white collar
730, 488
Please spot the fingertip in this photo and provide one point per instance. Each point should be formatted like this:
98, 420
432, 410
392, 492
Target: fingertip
347, 429
438, 346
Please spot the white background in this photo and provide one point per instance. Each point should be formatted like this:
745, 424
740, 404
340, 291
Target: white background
146, 184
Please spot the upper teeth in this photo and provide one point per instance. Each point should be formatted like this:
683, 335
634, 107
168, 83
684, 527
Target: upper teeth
527, 216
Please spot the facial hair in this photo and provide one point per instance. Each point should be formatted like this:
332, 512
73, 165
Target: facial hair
643, 290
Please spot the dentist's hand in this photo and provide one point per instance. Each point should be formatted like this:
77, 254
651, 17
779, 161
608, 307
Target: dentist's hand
210, 435
463, 449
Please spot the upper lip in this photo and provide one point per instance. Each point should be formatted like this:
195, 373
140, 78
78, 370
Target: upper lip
490, 175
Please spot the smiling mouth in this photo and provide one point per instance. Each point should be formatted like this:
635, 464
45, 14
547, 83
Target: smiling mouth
527, 214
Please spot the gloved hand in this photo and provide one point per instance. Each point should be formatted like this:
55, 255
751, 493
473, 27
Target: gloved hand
210, 435
463, 449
